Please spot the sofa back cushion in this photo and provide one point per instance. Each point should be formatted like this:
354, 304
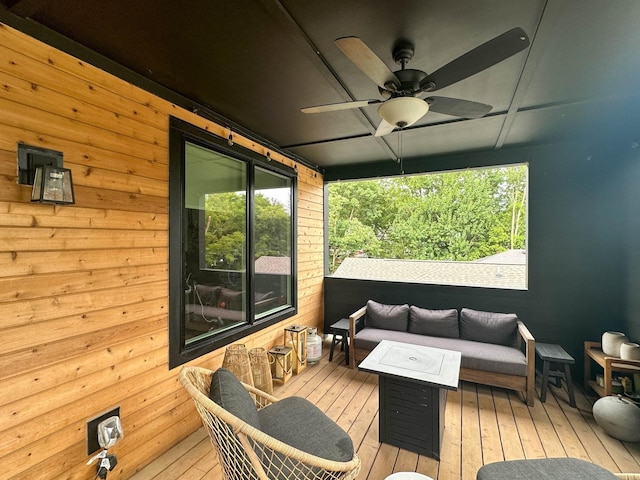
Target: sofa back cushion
387, 317
208, 295
230, 299
435, 323
488, 327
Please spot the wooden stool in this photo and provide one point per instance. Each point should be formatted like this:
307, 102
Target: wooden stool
340, 331
550, 353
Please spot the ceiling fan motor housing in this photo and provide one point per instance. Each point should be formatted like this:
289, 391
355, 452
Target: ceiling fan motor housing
409, 81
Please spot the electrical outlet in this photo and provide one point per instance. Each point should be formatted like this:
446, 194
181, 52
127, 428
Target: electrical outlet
92, 429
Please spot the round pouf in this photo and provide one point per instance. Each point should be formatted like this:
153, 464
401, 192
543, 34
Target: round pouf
619, 417
611, 342
407, 476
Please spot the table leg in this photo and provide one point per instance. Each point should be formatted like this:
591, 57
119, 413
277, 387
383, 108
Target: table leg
545, 379
567, 378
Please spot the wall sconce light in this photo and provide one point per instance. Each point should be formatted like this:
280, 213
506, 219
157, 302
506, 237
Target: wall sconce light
43, 169
53, 185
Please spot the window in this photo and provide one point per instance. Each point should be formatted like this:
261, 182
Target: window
231, 246
463, 227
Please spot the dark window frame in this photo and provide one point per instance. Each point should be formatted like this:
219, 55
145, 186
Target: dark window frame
181, 132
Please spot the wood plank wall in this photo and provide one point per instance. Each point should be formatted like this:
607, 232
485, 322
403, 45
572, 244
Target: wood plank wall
84, 288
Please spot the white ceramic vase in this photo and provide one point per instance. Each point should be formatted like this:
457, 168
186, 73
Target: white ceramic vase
619, 417
611, 342
630, 351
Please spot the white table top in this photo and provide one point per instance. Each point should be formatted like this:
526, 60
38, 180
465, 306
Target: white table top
434, 366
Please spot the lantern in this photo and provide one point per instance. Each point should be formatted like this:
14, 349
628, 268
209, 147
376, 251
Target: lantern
280, 360
298, 342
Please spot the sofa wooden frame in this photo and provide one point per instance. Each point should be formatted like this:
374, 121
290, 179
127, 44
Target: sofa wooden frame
526, 386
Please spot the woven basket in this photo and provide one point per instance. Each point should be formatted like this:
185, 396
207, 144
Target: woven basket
261, 370
236, 360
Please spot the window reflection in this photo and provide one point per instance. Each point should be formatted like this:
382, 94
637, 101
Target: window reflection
272, 241
215, 242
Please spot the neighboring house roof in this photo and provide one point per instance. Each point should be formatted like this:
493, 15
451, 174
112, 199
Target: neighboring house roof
481, 273
267, 265
510, 257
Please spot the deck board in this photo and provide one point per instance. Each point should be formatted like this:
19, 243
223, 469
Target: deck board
482, 425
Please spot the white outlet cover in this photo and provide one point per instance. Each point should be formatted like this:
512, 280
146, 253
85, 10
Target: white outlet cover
110, 432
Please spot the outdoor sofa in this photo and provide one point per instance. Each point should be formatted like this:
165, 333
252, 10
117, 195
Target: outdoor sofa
497, 348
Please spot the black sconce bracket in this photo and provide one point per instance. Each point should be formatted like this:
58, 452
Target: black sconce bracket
30, 158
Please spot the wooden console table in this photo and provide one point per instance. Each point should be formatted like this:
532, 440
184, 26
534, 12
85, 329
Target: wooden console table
593, 352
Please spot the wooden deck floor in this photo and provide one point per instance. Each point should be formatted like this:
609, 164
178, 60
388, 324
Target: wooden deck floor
482, 425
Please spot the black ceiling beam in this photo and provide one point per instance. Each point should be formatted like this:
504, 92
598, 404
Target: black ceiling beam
300, 37
539, 40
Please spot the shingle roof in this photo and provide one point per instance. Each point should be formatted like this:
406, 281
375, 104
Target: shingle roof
486, 272
273, 265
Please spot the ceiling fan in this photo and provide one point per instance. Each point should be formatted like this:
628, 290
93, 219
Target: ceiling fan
401, 107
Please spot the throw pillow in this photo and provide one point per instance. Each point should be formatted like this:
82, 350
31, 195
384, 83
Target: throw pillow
300, 424
435, 323
227, 391
488, 327
230, 299
387, 317
208, 294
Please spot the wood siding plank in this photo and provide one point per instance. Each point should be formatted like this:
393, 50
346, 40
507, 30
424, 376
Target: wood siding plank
84, 288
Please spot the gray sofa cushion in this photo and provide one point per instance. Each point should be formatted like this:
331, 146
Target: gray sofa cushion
300, 424
227, 391
544, 469
488, 327
487, 357
437, 323
389, 317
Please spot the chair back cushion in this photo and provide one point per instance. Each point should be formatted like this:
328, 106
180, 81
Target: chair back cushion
387, 317
435, 323
227, 391
489, 327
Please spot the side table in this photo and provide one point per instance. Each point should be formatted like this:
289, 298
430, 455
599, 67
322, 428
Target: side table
554, 354
340, 332
593, 352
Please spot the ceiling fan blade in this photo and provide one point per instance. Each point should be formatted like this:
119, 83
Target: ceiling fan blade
458, 107
332, 107
480, 58
367, 61
385, 128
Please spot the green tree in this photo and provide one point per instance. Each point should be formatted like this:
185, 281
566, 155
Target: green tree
462, 215
225, 229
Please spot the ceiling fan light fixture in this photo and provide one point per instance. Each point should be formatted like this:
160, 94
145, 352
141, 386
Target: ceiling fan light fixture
403, 111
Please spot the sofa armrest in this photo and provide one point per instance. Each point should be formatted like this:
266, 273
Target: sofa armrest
353, 321
530, 354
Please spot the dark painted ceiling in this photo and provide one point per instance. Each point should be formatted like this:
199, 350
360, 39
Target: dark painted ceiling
258, 62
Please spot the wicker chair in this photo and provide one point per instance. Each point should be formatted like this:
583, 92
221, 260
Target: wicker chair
247, 453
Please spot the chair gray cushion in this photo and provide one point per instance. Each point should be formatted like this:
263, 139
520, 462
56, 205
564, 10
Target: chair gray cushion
488, 327
227, 391
300, 424
544, 469
389, 317
437, 323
